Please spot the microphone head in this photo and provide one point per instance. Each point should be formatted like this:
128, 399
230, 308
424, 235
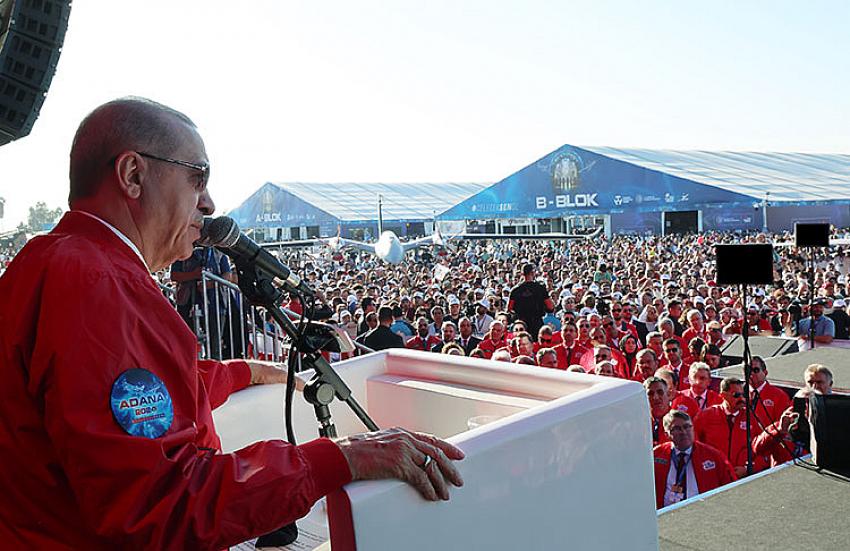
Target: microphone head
219, 232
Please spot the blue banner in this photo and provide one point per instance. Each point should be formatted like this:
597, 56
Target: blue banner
273, 207
573, 181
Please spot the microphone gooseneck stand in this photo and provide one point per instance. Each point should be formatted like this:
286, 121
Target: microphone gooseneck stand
306, 344
258, 288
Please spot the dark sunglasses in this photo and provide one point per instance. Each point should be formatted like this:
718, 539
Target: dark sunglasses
671, 350
756, 369
737, 394
203, 169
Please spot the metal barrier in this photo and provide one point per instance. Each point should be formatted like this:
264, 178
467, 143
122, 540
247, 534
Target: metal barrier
225, 334
237, 321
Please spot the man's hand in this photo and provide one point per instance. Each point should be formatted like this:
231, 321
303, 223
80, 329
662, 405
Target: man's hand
789, 419
266, 373
740, 472
421, 460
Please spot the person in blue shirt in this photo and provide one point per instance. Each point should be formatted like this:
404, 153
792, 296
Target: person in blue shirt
824, 326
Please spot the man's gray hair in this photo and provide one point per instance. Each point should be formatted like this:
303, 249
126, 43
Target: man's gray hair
130, 123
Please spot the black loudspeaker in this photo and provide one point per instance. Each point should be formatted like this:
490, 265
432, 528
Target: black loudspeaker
732, 350
829, 418
744, 264
31, 36
811, 235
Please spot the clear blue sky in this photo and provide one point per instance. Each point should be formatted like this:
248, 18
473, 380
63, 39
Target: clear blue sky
440, 91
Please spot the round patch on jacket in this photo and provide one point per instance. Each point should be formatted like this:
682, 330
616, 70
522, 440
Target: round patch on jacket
141, 403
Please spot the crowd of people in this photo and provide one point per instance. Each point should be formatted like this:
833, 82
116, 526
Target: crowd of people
628, 294
640, 308
646, 309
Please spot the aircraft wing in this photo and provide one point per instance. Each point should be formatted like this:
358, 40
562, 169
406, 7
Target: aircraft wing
343, 243
434, 239
335, 243
294, 243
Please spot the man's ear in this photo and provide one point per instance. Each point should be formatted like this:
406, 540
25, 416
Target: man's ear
130, 170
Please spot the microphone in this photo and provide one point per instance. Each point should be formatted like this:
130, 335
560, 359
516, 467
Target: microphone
223, 234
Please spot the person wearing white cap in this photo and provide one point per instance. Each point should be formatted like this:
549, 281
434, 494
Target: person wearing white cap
454, 309
482, 319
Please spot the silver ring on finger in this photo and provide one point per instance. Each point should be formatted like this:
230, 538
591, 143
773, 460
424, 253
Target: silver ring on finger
426, 463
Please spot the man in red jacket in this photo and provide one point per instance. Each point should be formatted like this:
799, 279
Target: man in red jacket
776, 440
569, 351
724, 427
108, 439
423, 340
767, 401
494, 339
678, 400
659, 405
646, 363
700, 375
673, 360
684, 467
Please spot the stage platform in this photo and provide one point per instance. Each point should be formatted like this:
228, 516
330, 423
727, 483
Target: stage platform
789, 507
787, 371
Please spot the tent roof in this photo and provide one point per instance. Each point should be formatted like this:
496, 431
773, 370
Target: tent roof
401, 201
794, 177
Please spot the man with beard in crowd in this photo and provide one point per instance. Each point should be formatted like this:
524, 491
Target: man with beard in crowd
423, 340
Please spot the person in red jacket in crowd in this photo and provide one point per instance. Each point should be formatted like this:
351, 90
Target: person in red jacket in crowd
646, 365
700, 376
665, 325
494, 339
712, 355
584, 339
604, 353
659, 405
569, 352
655, 342
89, 346
521, 345
715, 333
674, 361
724, 427
685, 467
696, 326
767, 401
423, 340
545, 338
622, 315
677, 399
776, 440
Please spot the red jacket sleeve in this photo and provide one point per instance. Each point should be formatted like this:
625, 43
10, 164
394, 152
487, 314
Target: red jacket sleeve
222, 379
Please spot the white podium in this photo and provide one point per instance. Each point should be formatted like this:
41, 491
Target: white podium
566, 464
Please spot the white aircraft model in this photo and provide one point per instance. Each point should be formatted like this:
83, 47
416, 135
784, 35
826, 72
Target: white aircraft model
392, 250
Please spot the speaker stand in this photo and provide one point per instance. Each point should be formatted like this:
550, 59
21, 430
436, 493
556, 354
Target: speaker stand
748, 364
